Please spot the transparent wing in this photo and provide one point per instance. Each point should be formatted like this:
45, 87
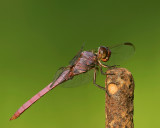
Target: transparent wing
72, 62
78, 80
58, 73
120, 53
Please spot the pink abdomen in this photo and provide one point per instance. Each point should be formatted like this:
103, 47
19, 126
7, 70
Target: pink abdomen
26, 105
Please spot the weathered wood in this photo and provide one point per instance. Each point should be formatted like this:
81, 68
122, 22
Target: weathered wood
119, 102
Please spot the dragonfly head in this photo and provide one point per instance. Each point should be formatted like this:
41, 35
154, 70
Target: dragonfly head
104, 53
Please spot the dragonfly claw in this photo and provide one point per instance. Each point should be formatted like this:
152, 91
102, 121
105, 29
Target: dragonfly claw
108, 93
114, 66
110, 74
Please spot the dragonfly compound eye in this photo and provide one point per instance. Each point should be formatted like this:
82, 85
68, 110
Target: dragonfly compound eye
103, 53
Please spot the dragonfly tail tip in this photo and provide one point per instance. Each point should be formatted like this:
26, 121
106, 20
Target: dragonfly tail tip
13, 117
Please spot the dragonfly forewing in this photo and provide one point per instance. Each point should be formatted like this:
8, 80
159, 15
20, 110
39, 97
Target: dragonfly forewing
120, 53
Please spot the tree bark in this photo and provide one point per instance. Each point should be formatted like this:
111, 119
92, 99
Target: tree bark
119, 98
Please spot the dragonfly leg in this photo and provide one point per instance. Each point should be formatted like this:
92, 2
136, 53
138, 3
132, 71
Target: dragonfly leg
106, 66
103, 73
113, 66
94, 82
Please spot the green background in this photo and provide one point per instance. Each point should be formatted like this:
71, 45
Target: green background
38, 37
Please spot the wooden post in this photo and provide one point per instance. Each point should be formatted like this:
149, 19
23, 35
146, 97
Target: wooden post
119, 98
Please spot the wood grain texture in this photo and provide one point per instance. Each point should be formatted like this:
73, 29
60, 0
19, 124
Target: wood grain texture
119, 102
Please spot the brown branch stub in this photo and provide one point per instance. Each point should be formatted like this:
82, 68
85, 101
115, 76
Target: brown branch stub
119, 102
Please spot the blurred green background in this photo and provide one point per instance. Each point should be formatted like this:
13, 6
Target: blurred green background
38, 37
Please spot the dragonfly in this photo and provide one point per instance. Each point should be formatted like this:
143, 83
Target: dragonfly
81, 63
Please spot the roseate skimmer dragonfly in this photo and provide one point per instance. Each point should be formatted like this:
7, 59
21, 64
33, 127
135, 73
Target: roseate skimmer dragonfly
81, 63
